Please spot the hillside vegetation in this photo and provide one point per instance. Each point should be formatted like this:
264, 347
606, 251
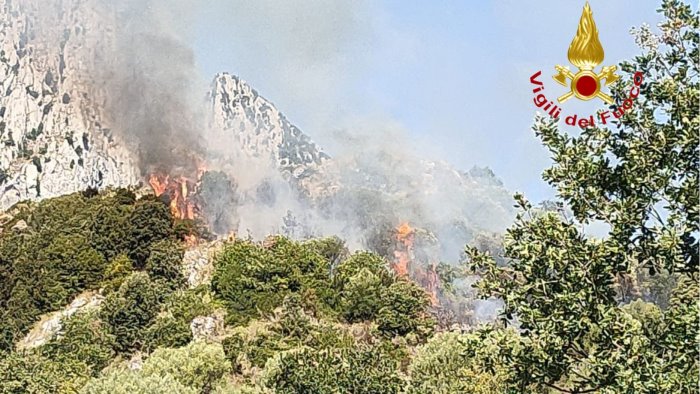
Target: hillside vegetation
581, 314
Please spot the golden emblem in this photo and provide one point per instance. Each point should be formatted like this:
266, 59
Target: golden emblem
586, 53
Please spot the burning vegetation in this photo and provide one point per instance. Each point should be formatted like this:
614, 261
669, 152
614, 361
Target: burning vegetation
179, 191
406, 264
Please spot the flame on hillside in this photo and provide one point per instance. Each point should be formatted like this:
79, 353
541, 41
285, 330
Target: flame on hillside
179, 191
405, 263
404, 250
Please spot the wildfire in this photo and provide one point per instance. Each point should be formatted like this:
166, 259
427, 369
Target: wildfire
404, 262
178, 190
404, 250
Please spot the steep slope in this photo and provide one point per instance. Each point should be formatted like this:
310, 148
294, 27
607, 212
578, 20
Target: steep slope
54, 137
261, 131
64, 128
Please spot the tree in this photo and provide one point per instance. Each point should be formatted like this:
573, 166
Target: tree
640, 177
347, 370
129, 310
165, 262
150, 221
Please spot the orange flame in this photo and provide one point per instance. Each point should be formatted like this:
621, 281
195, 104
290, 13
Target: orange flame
178, 191
404, 250
404, 257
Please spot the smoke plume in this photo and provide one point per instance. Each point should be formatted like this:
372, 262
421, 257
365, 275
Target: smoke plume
137, 53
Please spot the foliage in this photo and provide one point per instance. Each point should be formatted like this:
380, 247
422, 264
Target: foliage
452, 362
132, 308
198, 365
165, 262
83, 338
252, 279
290, 326
404, 310
348, 370
117, 270
332, 249
130, 382
33, 373
641, 179
361, 298
151, 222
196, 368
167, 331
70, 244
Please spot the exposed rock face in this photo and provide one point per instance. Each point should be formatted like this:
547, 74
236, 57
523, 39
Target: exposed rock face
208, 328
53, 138
198, 263
261, 131
50, 324
57, 136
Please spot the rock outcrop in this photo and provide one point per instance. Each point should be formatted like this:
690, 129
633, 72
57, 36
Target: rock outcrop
53, 136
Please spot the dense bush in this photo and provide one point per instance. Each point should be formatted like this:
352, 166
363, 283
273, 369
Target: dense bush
251, 279
404, 310
346, 370
460, 363
195, 368
165, 262
33, 373
131, 309
288, 327
167, 331
83, 338
130, 382
70, 244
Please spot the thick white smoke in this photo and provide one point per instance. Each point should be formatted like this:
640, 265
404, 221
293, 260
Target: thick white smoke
139, 54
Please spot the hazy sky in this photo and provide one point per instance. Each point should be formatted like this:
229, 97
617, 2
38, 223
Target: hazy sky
453, 74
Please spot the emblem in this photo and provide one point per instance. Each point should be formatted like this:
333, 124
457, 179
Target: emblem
586, 53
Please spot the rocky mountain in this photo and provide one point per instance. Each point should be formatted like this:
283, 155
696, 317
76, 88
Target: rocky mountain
54, 138
261, 131
59, 134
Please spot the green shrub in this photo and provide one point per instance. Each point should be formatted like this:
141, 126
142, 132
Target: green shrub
331, 248
345, 370
109, 230
459, 363
288, 327
116, 272
251, 279
186, 304
165, 262
358, 262
167, 331
65, 248
83, 338
131, 309
150, 222
199, 365
33, 373
361, 296
404, 310
131, 382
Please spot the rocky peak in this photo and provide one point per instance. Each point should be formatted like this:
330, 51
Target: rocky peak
261, 131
